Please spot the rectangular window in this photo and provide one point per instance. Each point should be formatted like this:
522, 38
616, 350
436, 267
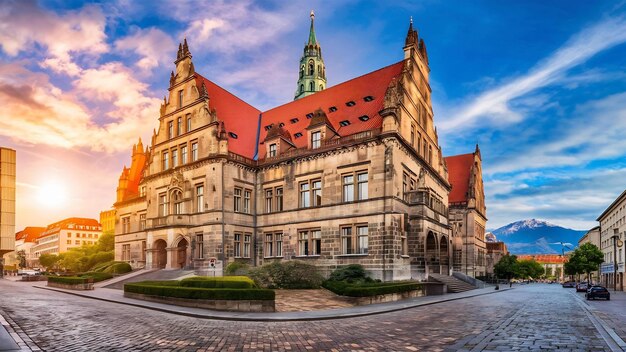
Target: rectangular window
194, 151
362, 191
174, 157
405, 187
346, 240
163, 204
166, 161
316, 192
69, 241
354, 239
272, 150
310, 242
188, 124
246, 245
170, 129
246, 201
142, 222
69, 234
179, 130
126, 252
278, 239
126, 224
348, 188
305, 195
237, 200
303, 243
269, 245
180, 98
362, 239
419, 143
412, 135
279, 199
200, 246
183, 155
200, 198
237, 245
143, 251
77, 242
269, 195
316, 139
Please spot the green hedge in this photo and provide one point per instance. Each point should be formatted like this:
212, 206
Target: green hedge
288, 275
118, 268
218, 282
68, 280
96, 276
200, 293
370, 289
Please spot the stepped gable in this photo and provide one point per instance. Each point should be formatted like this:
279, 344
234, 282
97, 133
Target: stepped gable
373, 84
459, 172
239, 117
29, 234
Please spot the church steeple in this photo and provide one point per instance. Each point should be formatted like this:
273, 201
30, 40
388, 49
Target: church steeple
312, 73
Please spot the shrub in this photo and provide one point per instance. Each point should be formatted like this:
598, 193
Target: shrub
200, 293
218, 282
100, 267
350, 273
236, 269
289, 275
118, 268
370, 289
68, 280
96, 276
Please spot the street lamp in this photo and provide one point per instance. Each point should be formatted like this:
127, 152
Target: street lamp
616, 244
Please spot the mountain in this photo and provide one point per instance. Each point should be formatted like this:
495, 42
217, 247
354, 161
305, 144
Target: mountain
537, 237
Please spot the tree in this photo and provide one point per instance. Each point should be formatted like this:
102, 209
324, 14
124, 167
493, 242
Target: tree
21, 257
591, 258
529, 268
506, 267
49, 261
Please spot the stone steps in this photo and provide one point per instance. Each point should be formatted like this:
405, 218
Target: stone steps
454, 285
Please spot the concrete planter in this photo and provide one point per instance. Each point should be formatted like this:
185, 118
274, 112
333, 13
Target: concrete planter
34, 278
226, 305
391, 297
80, 287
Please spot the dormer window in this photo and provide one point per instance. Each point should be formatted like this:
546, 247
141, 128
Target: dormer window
368, 98
316, 139
344, 123
232, 135
281, 125
332, 109
294, 120
350, 103
298, 135
268, 127
309, 115
364, 118
272, 152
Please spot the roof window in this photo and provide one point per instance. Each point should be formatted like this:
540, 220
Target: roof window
294, 120
269, 127
350, 103
332, 109
232, 135
364, 118
298, 135
368, 98
281, 125
344, 123
309, 115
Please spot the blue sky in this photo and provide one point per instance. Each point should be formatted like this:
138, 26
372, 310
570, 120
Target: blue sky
540, 85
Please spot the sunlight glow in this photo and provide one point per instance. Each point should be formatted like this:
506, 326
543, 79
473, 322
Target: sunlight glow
52, 194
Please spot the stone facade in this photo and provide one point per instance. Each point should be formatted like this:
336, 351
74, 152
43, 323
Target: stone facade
495, 252
350, 174
468, 213
612, 237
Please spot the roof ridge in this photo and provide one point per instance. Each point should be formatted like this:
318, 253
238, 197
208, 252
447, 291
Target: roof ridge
227, 91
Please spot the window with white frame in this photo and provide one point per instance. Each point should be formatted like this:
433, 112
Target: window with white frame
177, 197
200, 246
354, 239
183, 155
200, 198
237, 245
237, 200
142, 222
269, 197
309, 242
166, 160
163, 204
272, 152
194, 151
247, 194
174, 158
126, 252
179, 129
316, 139
170, 130
126, 224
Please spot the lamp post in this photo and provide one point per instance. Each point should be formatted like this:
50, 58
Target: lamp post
615, 238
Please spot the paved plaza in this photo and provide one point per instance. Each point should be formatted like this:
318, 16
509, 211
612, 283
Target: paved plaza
531, 317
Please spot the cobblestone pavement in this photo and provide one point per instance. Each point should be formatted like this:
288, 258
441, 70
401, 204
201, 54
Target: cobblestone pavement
532, 317
611, 312
309, 300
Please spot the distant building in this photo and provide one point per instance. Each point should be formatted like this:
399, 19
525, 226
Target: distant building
7, 203
490, 237
468, 213
66, 234
552, 263
495, 251
107, 220
25, 240
612, 236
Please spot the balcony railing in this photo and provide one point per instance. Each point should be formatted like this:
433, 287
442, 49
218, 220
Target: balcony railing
423, 197
169, 220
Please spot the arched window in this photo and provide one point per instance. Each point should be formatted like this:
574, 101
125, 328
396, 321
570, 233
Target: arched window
321, 87
311, 87
319, 70
302, 71
177, 197
311, 68
301, 88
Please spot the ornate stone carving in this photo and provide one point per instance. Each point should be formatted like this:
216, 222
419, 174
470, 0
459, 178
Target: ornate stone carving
177, 181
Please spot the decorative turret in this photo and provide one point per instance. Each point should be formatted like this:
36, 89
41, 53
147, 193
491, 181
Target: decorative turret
312, 73
414, 43
184, 66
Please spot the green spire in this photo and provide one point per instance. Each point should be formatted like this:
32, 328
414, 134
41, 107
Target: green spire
312, 39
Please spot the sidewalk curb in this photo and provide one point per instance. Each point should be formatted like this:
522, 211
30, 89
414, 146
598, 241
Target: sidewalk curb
267, 317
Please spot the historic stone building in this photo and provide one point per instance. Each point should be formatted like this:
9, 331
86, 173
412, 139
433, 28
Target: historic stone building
347, 174
468, 213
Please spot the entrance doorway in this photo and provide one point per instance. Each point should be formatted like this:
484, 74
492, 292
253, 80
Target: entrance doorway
181, 254
161, 254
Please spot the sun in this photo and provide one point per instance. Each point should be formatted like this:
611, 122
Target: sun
51, 194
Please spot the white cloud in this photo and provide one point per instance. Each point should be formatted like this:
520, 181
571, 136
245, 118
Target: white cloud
494, 105
154, 47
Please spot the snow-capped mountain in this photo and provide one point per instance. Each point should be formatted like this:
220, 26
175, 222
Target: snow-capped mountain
534, 236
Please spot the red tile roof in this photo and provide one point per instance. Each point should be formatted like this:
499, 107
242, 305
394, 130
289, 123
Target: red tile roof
373, 84
239, 117
459, 170
544, 258
29, 234
65, 225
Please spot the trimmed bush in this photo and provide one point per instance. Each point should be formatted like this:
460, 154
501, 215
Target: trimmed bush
350, 273
200, 293
68, 280
118, 268
218, 282
96, 276
236, 269
289, 275
371, 289
100, 267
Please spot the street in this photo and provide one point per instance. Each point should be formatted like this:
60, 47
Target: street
529, 317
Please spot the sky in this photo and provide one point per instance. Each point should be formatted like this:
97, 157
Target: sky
539, 85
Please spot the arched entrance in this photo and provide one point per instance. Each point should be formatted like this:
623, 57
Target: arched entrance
444, 258
432, 257
160, 254
181, 253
